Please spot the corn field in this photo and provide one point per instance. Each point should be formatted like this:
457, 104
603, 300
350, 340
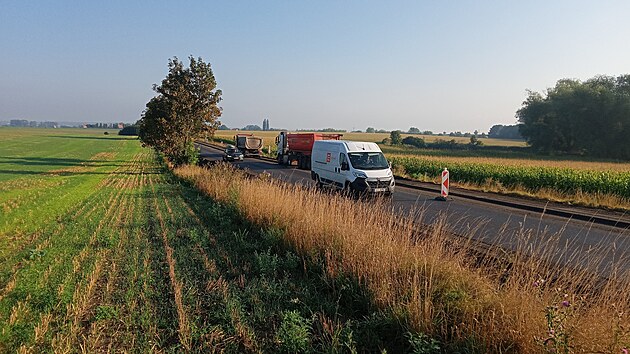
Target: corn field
565, 180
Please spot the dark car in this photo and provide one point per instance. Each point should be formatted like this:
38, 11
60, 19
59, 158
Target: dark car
232, 154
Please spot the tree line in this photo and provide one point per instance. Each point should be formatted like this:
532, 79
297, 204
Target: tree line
574, 117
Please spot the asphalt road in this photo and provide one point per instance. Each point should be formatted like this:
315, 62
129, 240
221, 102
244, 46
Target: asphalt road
600, 248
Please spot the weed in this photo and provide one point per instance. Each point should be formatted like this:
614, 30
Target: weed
294, 333
422, 344
106, 312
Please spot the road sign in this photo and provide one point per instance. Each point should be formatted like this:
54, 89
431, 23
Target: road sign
445, 177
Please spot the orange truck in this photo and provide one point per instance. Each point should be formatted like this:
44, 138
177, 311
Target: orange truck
298, 147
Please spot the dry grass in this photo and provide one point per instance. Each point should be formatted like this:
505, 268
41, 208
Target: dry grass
430, 281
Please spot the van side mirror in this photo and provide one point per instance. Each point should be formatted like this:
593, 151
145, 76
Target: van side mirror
389, 163
344, 166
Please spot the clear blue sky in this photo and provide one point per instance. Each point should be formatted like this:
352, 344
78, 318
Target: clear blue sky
435, 65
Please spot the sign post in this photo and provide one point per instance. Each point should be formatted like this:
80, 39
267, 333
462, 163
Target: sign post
445, 183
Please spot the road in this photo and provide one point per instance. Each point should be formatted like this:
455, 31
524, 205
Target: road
598, 247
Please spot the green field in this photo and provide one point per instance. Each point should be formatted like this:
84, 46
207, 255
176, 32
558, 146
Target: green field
103, 249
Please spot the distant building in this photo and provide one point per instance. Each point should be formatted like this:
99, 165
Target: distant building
49, 125
18, 123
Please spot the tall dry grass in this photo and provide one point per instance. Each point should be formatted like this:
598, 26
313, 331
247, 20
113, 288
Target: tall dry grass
429, 280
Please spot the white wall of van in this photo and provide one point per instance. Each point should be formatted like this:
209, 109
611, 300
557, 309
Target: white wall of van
355, 166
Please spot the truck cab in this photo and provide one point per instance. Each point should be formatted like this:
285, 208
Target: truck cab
352, 166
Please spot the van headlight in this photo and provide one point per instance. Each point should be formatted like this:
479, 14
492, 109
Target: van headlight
359, 174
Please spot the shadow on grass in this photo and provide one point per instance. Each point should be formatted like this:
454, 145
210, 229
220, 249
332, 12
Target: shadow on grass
54, 161
75, 173
103, 137
59, 163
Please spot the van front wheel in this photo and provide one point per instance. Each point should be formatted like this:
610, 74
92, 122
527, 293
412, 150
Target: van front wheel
347, 189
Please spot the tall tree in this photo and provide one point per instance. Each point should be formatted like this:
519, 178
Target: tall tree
185, 108
395, 137
591, 117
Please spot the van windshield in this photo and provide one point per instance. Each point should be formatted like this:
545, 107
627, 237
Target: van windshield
368, 160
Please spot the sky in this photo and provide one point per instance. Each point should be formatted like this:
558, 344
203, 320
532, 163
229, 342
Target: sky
434, 65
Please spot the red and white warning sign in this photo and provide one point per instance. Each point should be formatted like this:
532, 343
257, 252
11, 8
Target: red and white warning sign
445, 183
327, 157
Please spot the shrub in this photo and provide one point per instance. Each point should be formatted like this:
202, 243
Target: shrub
129, 130
414, 141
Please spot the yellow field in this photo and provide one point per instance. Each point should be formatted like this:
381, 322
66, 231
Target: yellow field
270, 136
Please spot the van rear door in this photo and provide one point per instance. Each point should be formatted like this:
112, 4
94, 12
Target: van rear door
325, 159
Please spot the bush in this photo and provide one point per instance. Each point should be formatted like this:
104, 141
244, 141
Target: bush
129, 130
190, 155
414, 141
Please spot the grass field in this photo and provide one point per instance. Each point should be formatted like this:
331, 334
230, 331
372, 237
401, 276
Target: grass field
103, 249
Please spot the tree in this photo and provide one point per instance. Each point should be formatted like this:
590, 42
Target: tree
414, 141
414, 130
499, 131
590, 118
395, 137
474, 142
370, 130
185, 108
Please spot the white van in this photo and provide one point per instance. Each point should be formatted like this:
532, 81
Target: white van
352, 166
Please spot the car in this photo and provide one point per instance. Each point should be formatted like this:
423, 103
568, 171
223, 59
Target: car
232, 154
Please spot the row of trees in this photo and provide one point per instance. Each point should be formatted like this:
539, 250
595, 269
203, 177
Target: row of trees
185, 108
575, 117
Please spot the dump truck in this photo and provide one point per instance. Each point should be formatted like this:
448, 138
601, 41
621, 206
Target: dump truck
298, 147
249, 144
